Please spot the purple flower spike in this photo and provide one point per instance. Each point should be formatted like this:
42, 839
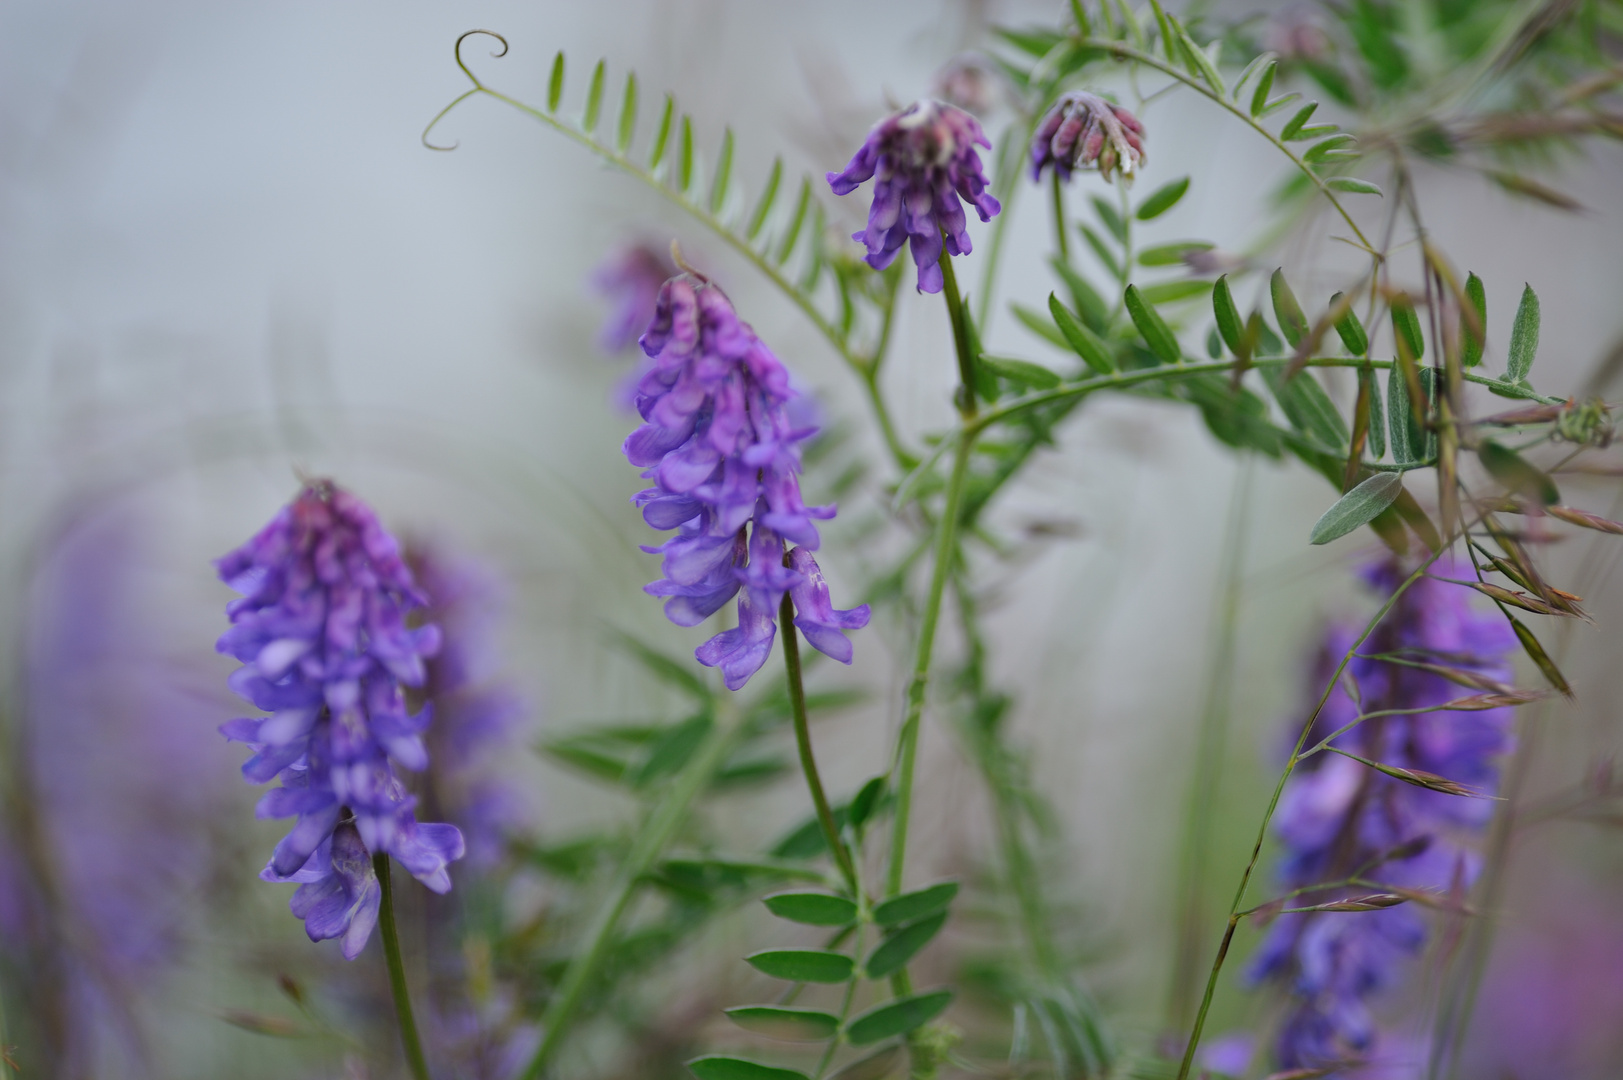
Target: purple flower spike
1084, 131
1339, 818
721, 445
321, 631
925, 160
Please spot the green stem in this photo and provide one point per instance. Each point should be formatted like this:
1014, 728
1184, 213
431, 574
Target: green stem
908, 745
808, 763
1169, 372
1273, 804
397, 971
1062, 244
960, 336
650, 841
1209, 748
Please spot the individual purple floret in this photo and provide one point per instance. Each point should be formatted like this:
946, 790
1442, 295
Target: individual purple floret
321, 631
925, 161
1340, 819
1084, 131
721, 448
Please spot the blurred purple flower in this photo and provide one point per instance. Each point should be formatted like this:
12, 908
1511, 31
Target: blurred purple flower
629, 279
721, 447
925, 161
108, 835
321, 631
1084, 131
969, 82
1339, 819
474, 715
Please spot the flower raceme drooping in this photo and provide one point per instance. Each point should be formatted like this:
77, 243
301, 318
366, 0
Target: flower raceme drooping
321, 631
721, 446
925, 162
1340, 819
1084, 131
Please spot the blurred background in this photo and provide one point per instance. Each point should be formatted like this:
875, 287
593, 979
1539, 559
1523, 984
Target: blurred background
226, 261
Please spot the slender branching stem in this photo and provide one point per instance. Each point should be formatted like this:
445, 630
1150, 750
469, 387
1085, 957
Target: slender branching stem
908, 744
961, 341
808, 762
1062, 242
651, 839
1273, 804
1121, 380
409, 1040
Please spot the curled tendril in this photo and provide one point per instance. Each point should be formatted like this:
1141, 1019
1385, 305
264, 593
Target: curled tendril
477, 85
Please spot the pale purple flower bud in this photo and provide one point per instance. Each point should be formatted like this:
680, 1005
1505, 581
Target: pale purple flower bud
721, 444
968, 82
321, 631
1084, 131
924, 161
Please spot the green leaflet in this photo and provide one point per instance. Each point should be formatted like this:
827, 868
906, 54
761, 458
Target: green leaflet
1162, 199
1358, 507
1472, 340
901, 946
897, 1016
1082, 340
1308, 407
812, 908
1287, 310
790, 1025
1157, 335
719, 1067
915, 905
1523, 337
803, 965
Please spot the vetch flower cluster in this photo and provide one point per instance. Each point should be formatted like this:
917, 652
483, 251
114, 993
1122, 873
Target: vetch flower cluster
1340, 819
1084, 131
321, 631
722, 449
925, 162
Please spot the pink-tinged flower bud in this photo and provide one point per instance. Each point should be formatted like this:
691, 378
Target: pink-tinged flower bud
1084, 131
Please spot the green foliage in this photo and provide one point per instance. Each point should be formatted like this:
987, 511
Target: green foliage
790, 1025
718, 1067
1473, 324
1523, 337
897, 1017
802, 965
919, 904
902, 944
1358, 507
1154, 330
1162, 199
814, 909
